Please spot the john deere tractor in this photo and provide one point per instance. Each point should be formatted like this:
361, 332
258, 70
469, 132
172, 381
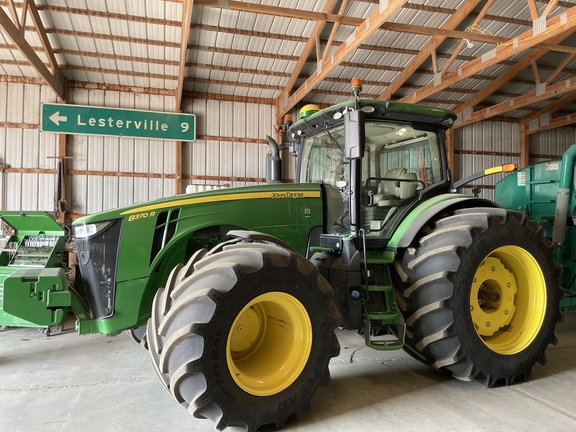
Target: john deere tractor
237, 292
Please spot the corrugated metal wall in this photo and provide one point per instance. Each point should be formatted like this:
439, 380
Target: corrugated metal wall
242, 151
483, 145
553, 142
25, 148
107, 172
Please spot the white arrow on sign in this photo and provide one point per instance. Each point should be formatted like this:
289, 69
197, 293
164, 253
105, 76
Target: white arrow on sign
57, 118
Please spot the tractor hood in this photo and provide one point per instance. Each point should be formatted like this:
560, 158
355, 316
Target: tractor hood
269, 191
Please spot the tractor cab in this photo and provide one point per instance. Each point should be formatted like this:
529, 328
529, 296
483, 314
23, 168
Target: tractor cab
401, 161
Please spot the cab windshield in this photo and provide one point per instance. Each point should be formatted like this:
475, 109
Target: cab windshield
399, 162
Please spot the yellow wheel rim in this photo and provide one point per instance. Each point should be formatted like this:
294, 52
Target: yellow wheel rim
269, 344
508, 300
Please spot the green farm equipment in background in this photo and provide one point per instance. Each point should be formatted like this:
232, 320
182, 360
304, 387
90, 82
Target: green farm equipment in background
237, 292
546, 192
34, 287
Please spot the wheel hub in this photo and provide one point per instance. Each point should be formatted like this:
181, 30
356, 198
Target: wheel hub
492, 297
508, 299
269, 344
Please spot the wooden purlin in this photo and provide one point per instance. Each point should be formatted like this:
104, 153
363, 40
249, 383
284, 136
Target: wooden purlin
556, 25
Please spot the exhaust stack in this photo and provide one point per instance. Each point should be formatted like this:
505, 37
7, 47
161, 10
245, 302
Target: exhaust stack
273, 162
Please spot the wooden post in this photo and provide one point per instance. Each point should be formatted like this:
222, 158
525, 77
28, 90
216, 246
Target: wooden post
524, 144
61, 193
450, 151
178, 173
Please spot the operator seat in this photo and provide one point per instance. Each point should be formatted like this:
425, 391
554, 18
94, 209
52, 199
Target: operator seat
390, 192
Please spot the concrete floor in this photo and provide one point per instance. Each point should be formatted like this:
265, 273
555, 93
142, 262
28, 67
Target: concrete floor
72, 383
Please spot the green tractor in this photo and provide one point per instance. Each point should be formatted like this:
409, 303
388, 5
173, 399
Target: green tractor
545, 192
237, 292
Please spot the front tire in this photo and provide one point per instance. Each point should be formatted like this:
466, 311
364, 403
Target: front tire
244, 336
479, 292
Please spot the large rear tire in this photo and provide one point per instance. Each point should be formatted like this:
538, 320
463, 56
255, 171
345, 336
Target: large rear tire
480, 295
243, 336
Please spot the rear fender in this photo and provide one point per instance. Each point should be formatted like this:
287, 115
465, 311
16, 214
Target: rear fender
427, 211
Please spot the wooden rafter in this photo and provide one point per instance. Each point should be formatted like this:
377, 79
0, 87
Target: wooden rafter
277, 11
534, 67
401, 28
521, 101
14, 14
420, 58
543, 117
368, 27
187, 7
560, 68
556, 25
276, 36
334, 30
43, 37
461, 44
558, 122
508, 75
558, 104
533, 9
434, 61
24, 15
55, 80
355, 22
549, 8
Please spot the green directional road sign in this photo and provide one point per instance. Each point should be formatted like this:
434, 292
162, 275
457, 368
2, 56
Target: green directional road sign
89, 120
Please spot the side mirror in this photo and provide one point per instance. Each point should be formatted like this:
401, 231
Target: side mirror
354, 134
